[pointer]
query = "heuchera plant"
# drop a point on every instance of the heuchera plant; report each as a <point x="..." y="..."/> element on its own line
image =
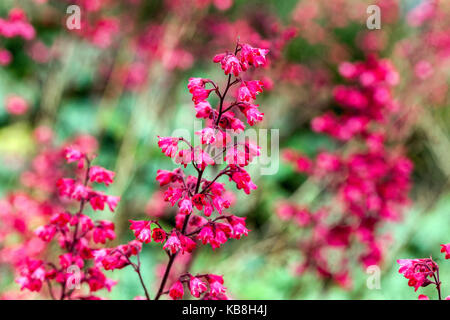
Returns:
<point x="423" y="272"/>
<point x="77" y="235"/>
<point x="202" y="202"/>
<point x="368" y="177"/>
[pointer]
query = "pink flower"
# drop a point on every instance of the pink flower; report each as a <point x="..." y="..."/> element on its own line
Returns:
<point x="104" y="231"/>
<point x="417" y="271"/>
<point x="187" y="244"/>
<point x="249" y="90"/>
<point x="65" y="187"/>
<point x="142" y="230"/>
<point x="203" y="109"/>
<point x="202" y="158"/>
<point x="74" y="155"/>
<point x="196" y="286"/>
<point x="253" y="115"/>
<point x="158" y="235"/>
<point x="32" y="275"/>
<point x="423" y="70"/>
<point x="253" y="56"/>
<point x="216" y="285"/>
<point x="207" y="135"/>
<point x="243" y="180"/>
<point x="185" y="206"/>
<point x="230" y="63"/>
<point x="5" y="57"/>
<point x="66" y="260"/>
<point x="206" y="235"/>
<point x="423" y="297"/>
<point x="168" y="145"/>
<point x="446" y="249"/>
<point x="176" y="291"/>
<point x="238" y="225"/>
<point x="173" y="243"/>
<point x="98" y="201"/>
<point x="165" y="177"/>
<point x="194" y="83"/>
<point x="112" y="202"/>
<point x="101" y="175"/>
<point x="46" y="233"/>
<point x="16" y="105"/>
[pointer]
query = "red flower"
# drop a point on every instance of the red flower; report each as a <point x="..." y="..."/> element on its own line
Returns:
<point x="197" y="287"/>
<point x="446" y="249"/>
<point x="230" y="63"/>
<point x="142" y="230"/>
<point x="101" y="175"/>
<point x="158" y="235"/>
<point x="168" y="145"/>
<point x="249" y="90"/>
<point x="173" y="243"/>
<point x="176" y="291"/>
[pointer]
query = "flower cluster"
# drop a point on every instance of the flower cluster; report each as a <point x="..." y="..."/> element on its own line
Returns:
<point x="211" y="287"/>
<point x="370" y="181"/>
<point x="16" y="25"/>
<point x="423" y="272"/>
<point x="76" y="234"/>
<point x="196" y="197"/>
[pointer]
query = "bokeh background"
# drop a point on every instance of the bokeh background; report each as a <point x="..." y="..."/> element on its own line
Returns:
<point x="122" y="80"/>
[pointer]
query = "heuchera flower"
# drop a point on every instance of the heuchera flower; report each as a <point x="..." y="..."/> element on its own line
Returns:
<point x="176" y="292"/>
<point x="101" y="175"/>
<point x="76" y="234"/>
<point x="142" y="230"/>
<point x="249" y="90"/>
<point x="197" y="287"/>
<point x="173" y="243"/>
<point x="158" y="235"/>
<point x="370" y="182"/>
<point x="417" y="271"/>
<point x="446" y="250"/>
<point x="16" y="105"/>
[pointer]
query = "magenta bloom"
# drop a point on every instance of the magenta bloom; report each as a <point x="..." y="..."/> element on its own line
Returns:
<point x="176" y="291"/>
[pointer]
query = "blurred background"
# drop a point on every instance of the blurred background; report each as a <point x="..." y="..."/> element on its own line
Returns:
<point x="120" y="81"/>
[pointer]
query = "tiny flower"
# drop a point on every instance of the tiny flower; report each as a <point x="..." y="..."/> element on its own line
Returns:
<point x="187" y="244"/>
<point x="16" y="105"/>
<point x="158" y="235"/>
<point x="253" y="115"/>
<point x="5" y="57"/>
<point x="253" y="56"/>
<point x="423" y="297"/>
<point x="46" y="233"/>
<point x="216" y="285"/>
<point x="185" y="206"/>
<point x="249" y="90"/>
<point x="142" y="230"/>
<point x="176" y="291"/>
<point x="112" y="202"/>
<point x="203" y="109"/>
<point x="74" y="155"/>
<point x="199" y="200"/>
<point x="101" y="175"/>
<point x="238" y="225"/>
<point x="173" y="243"/>
<point x="165" y="177"/>
<point x="243" y="180"/>
<point x="446" y="249"/>
<point x="196" y="286"/>
<point x="230" y="63"/>
<point x="207" y="135"/>
<point x="168" y="145"/>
